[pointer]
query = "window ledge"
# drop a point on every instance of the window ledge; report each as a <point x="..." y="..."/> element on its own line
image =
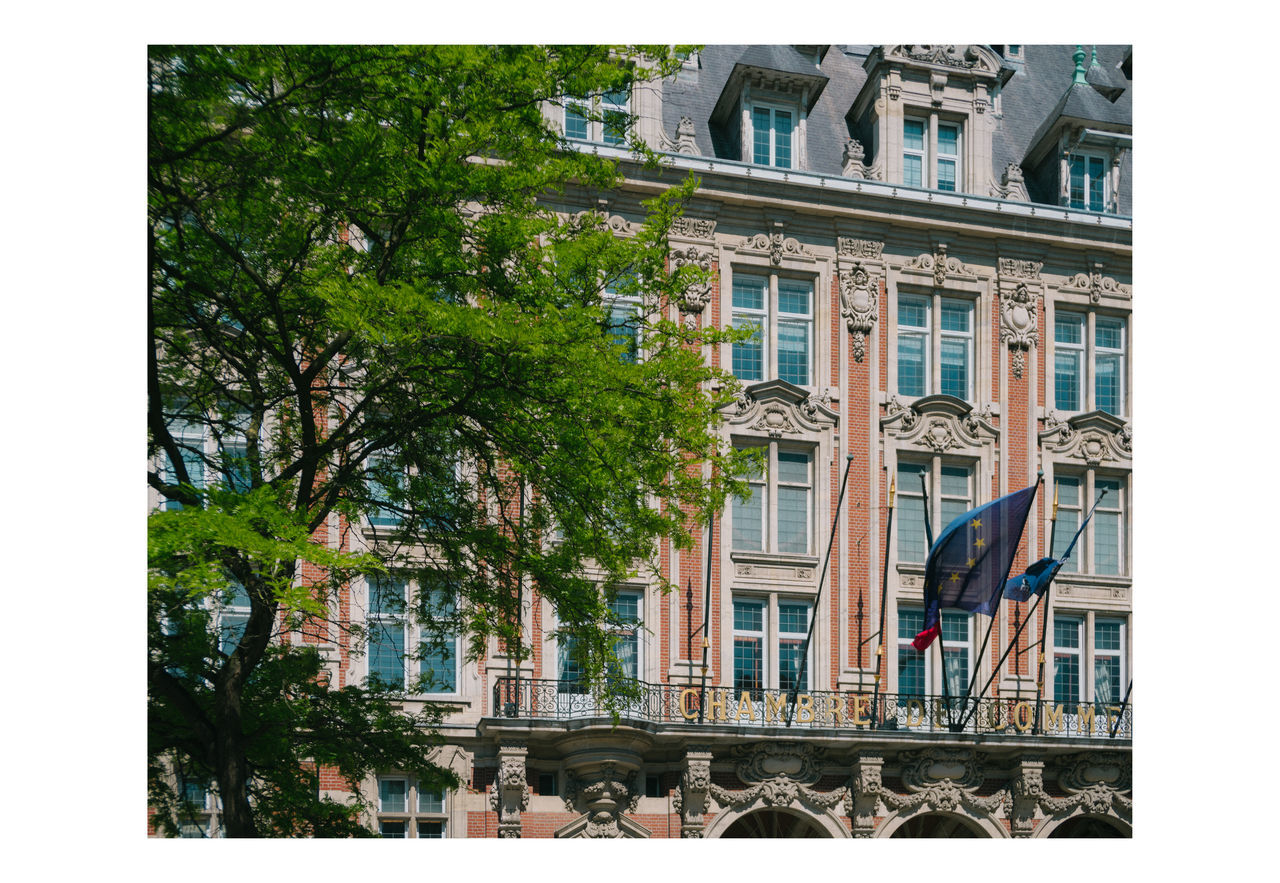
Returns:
<point x="774" y="559"/>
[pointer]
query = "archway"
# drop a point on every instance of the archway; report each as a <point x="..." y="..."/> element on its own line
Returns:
<point x="776" y="823"/>
<point x="939" y="824"/>
<point x="1090" y="826"/>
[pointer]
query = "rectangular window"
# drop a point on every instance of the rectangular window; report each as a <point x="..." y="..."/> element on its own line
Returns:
<point x="779" y="311"/>
<point x="626" y="605"/>
<point x="779" y="514"/>
<point x="1102" y="547"/>
<point x="605" y="118"/>
<point x="438" y="647"/>
<point x="384" y="482"/>
<point x="418" y="653"/>
<point x="748" y="645"/>
<point x="576" y="124"/>
<point x="793" y="630"/>
<point x="1089" y="185"/>
<point x="913" y="152"/>
<point x="1067" y="643"/>
<point x="909" y="522"/>
<point x="771" y="136"/>
<point x="911" y="662"/>
<point x="922" y="321"/>
<point x="190" y="439"/>
<point x="1103" y="357"/>
<point x="951" y="494"/>
<point x="387" y="626"/>
<point x="1108" y="661"/>
<point x="233" y="616"/>
<point x="614" y="116"/>
<point x="914" y="675"/>
<point x="413" y="811"/>
<point x="944" y="171"/>
<point x="957" y="638"/>
<point x="948" y="156"/>
<point x="392" y="795"/>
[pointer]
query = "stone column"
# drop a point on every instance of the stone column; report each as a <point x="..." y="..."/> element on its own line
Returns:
<point x="865" y="793"/>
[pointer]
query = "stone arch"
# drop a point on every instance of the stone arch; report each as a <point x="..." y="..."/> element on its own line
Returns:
<point x="1085" y="825"/>
<point x="759" y="820"/>
<point x="931" y="823"/>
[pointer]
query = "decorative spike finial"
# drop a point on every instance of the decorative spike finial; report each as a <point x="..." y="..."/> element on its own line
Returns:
<point x="1055" y="501"/>
<point x="893" y="483"/>
<point x="1078" y="55"/>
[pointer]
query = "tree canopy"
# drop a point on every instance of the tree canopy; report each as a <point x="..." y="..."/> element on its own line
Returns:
<point x="374" y="350"/>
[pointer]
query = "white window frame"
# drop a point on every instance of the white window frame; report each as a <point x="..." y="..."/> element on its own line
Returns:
<point x="1085" y="624"/>
<point x="768" y="484"/>
<point x="635" y="304"/>
<point x="210" y="450"/>
<point x="770" y="317"/>
<point x="412" y="816"/>
<point x="600" y="106"/>
<point x="931" y="665"/>
<point x="929" y="154"/>
<point x="1075" y="622"/>
<point x="413" y="635"/>
<point x="1115" y="505"/>
<point x="1118" y="653"/>
<point x="933" y="467"/>
<point x="1088" y="351"/>
<point x="1086" y="203"/>
<point x="771" y="637"/>
<point x="934" y="335"/>
<point x="773" y="110"/>
<point x="563" y="647"/>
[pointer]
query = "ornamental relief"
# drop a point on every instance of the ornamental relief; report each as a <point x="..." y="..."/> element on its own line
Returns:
<point x="779" y="791"/>
<point x="945" y="780"/>
<point x="859" y="304"/>
<point x="696" y="294"/>
<point x="939" y="423"/>
<point x="1099" y="783"/>
<point x="1096" y="438"/>
<point x="970" y="57"/>
<point x="941" y="266"/>
<point x="776" y="246"/>
<point x="1019" y="325"/>
<point x="798" y="761"/>
<point x="693" y="228"/>
<point x="597" y="218"/>
<point x="776" y="408"/>
<point x="1096" y="285"/>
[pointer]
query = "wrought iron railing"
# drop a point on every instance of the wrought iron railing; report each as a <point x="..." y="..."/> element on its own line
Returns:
<point x="681" y="704"/>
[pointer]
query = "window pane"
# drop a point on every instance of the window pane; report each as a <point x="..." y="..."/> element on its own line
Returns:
<point x="793" y="520"/>
<point x="748" y="355"/>
<point x="386" y="596"/>
<point x="790" y="659"/>
<point x="793" y="352"/>
<point x="1077" y="182"/>
<point x="910" y="670"/>
<point x="430" y="801"/>
<point x="1107" y="387"/>
<point x="793" y="467"/>
<point x="575" y="124"/>
<point x="782" y="142"/>
<point x="761" y="131"/>
<point x="231" y="631"/>
<point x="913" y="134"/>
<point x="386" y="653"/>
<point x="1066" y="677"/>
<point x="913" y="313"/>
<point x="388" y="828"/>
<point x="793" y="296"/>
<point x="624" y="330"/>
<point x="570" y="671"/>
<point x="433" y="830"/>
<point x="1066" y="632"/>
<point x="391" y="795"/>
<point x="1066" y="380"/>
<point x="1097" y="185"/>
<point x="1106" y="537"/>
<point x="955" y="481"/>
<point x="955" y="368"/>
<point x="749" y="292"/>
<point x="911" y="364"/>
<point x="948" y="140"/>
<point x="748" y="616"/>
<point x="793" y="618"/>
<point x="1068" y="328"/>
<point x="438" y="665"/>
<point x="911" y="169"/>
<point x="957" y="665"/>
<point x="909" y="522"/>
<point x="955" y="315"/>
<point x="1106" y="635"/>
<point x="235" y="468"/>
<point x="955" y="627"/>
<point x="1108" y="333"/>
<point x="747" y="664"/>
<point x="946" y="175"/>
<point x="748" y="521"/>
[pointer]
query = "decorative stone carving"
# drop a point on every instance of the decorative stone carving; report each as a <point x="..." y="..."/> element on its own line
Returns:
<point x="685" y="141"/>
<point x="945" y="780"/>
<point x="777" y="408"/>
<point x="1096" y="437"/>
<point x="859" y="304"/>
<point x="776" y="245"/>
<point x="510" y="794"/>
<point x="693" y="228"/>
<point x="697" y="294"/>
<point x="859" y="249"/>
<point x="1096" y="284"/>
<point x="1012" y="184"/>
<point x="937" y="86"/>
<point x="940" y="265"/>
<point x="596" y="218"/>
<point x="1018" y="323"/>
<point x="1018" y="269"/>
<point x="962" y="57"/>
<point x="853" y="166"/>
<point x="1027" y="788"/>
<point x="605" y="793"/>
<point x="798" y="761"/>
<point x="940" y="423"/>
<point x="691" y="797"/>
<point x="1099" y="783"/>
<point x="778" y="791"/>
<point x="864" y="793"/>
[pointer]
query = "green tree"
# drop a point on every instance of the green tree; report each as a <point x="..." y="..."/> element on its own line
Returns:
<point x="363" y="314"/>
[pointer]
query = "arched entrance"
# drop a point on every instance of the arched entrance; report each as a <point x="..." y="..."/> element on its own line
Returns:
<point x="938" y="824"/>
<point x="1089" y="826"/>
<point x="775" y="823"/>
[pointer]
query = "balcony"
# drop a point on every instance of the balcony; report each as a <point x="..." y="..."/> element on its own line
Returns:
<point x="693" y="707"/>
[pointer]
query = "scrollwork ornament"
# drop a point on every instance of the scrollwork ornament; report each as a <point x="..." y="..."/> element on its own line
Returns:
<point x="1019" y="323"/>
<point x="697" y="294"/>
<point x="859" y="304"/>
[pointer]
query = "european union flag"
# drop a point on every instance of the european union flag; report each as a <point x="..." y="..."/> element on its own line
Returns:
<point x="971" y="559"/>
<point x="1033" y="582"/>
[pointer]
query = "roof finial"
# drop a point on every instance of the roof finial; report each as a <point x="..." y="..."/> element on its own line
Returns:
<point x="1078" y="55"/>
<point x="1094" y="61"/>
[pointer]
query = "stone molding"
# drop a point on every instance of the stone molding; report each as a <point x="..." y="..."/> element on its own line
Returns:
<point x="972" y="58"/>
<point x="941" y="266"/>
<point x="1097" y="782"/>
<point x="943" y="779"/>
<point x="691" y="798"/>
<point x="696" y="295"/>
<point x="776" y="245"/>
<point x="604" y="791"/>
<point x="1096" y="285"/>
<point x="1012" y="184"/>
<point x="511" y="791"/>
<point x="1095" y="437"/>
<point x="939" y="423"/>
<point x="777" y="408"/>
<point x="853" y="165"/>
<point x="1019" y="322"/>
<point x="798" y="761"/>
<point x="685" y="142"/>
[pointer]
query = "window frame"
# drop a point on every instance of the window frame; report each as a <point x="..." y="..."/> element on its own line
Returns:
<point x="594" y="110"/>
<point x="412" y="816"/>
<point x="564" y="646"/>
<point x="929" y="153"/>
<point x="770" y="318"/>
<point x="414" y="638"/>
<point x="1083" y="561"/>
<point x="773" y="109"/>
<point x="935" y="337"/>
<point x="927" y="660"/>
<point x="1086" y="202"/>
<point x="1087" y="653"/>
<point x="933" y="467"/>
<point x="612" y="300"/>
<point x="1088" y="352"/>
<point x="769" y="485"/>
<point x="770" y="637"/>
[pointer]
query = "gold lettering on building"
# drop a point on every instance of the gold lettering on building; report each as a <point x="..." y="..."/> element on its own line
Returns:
<point x="915" y="713"/>
<point x="1084" y="718"/>
<point x="1053" y="719"/>
<point x="745" y="708"/>
<point x="861" y="706"/>
<point x="804" y="709"/>
<point x="717" y="706"/>
<point x="1023" y="716"/>
<point x="774" y="705"/>
<point x="684" y="704"/>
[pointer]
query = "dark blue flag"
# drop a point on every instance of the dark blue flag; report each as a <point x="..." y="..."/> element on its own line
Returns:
<point x="1033" y="582"/>
<point x="971" y="559"/>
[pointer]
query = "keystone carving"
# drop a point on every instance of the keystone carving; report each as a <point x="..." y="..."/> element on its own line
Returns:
<point x="778" y="791"/>
<point x="797" y="761"/>
<point x="510" y="791"/>
<point x="691" y="798"/>
<point x="1018" y="323"/>
<point x="940" y="265"/>
<point x="696" y="294"/>
<point x="864" y="793"/>
<point x="605" y="793"/>
<point x="859" y="304"/>
<point x="847" y="247"/>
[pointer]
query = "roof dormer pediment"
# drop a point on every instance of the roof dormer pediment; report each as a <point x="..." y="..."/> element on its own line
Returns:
<point x="777" y="408"/>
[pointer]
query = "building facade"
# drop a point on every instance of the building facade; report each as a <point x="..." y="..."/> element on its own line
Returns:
<point x="934" y="246"/>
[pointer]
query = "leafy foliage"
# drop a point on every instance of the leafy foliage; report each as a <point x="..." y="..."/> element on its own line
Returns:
<point x="375" y="348"/>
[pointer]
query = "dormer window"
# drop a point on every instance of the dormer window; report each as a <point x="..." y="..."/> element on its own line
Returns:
<point x="603" y="118"/>
<point x="932" y="162"/>
<point x="771" y="135"/>
<point x="1090" y="185"/>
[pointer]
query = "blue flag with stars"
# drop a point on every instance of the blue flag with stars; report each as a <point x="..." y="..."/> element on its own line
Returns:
<point x="970" y="561"/>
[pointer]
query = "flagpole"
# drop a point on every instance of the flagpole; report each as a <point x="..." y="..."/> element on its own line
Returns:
<point x="942" y="651"/>
<point x="1127" y="691"/>
<point x="884" y="596"/>
<point x="813" y="620"/>
<point x="706" y="613"/>
<point x="995" y="613"/>
<point x="1044" y="617"/>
